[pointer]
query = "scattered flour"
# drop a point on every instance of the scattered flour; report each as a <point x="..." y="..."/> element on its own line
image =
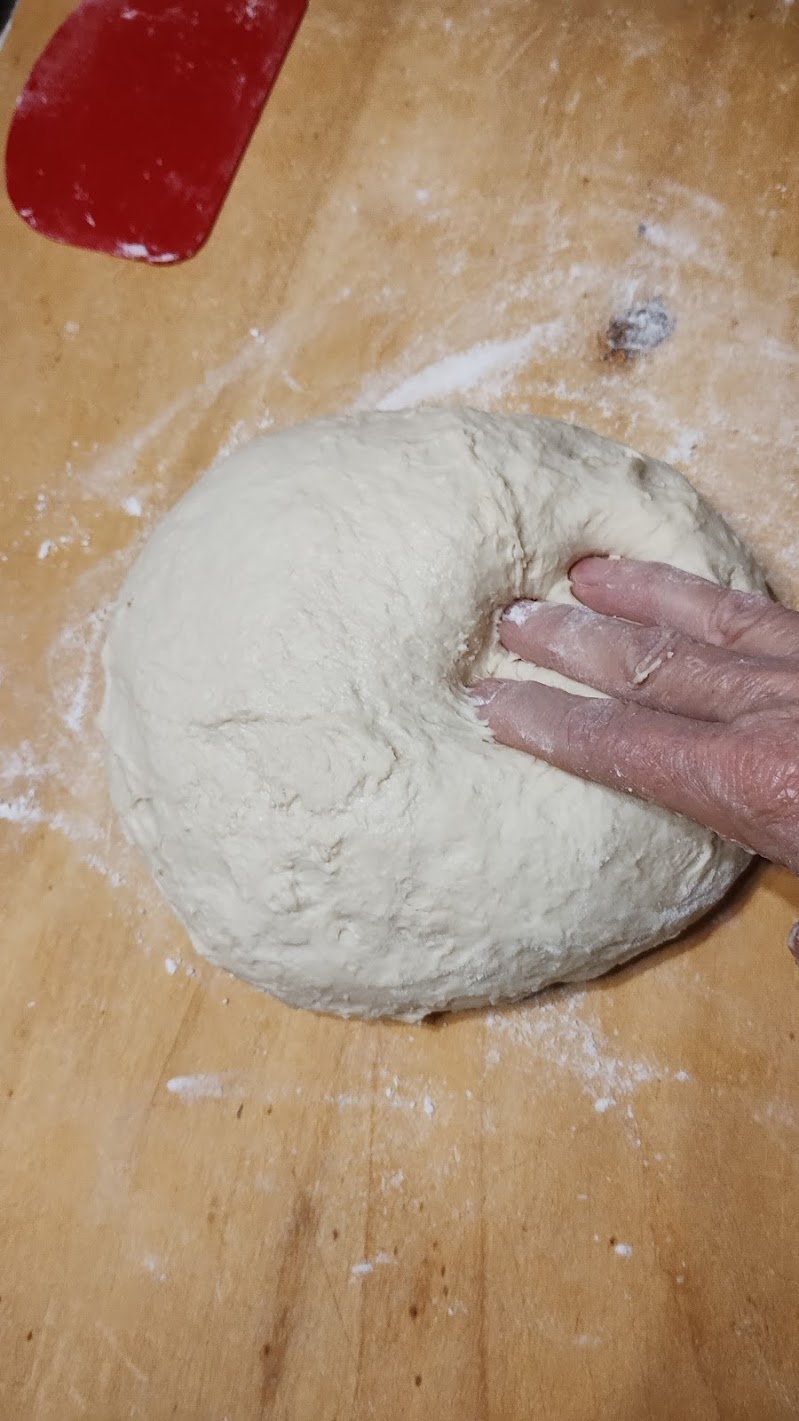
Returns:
<point x="203" y="1086"/>
<point x="154" y="1266"/>
<point x="489" y="366"/>
<point x="22" y="810"/>
<point x="360" y="1270"/>
<point x="778" y="1113"/>
<point x="557" y="1039"/>
<point x="559" y="1032"/>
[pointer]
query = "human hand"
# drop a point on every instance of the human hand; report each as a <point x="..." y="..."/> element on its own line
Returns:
<point x="703" y="688"/>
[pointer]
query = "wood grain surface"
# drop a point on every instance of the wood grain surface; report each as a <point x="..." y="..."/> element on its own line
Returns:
<point x="213" y="1208"/>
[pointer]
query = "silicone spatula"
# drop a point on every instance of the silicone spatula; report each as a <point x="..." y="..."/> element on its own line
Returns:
<point x="129" y="131"/>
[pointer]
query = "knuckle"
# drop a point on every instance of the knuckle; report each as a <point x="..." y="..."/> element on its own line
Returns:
<point x="737" y="614"/>
<point x="766" y="776"/>
<point x="650" y="654"/>
<point x="775" y="688"/>
<point x="582" y="723"/>
<point x="595" y="732"/>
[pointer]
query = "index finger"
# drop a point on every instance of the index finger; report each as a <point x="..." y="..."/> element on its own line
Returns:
<point x="658" y="595"/>
<point x="667" y="759"/>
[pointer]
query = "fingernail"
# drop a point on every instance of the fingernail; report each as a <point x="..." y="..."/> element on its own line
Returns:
<point x="482" y="695"/>
<point x="520" y="612"/>
<point x="591" y="569"/>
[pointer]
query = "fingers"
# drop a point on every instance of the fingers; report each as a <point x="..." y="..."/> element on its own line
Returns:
<point x="657" y="756"/>
<point x="655" y="594"/>
<point x="653" y="666"/>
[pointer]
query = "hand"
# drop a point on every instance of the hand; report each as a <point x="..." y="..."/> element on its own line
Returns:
<point x="703" y="715"/>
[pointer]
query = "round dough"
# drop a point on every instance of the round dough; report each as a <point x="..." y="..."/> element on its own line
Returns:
<point x="290" y="742"/>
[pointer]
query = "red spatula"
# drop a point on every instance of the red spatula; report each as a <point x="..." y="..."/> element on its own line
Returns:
<point x="134" y="120"/>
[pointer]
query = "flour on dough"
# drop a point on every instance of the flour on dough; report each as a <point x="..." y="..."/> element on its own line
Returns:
<point x="291" y="746"/>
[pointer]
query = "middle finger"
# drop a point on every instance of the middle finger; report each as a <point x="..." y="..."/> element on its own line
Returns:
<point x="653" y="666"/>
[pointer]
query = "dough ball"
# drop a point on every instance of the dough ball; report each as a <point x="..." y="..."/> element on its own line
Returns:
<point x="291" y="746"/>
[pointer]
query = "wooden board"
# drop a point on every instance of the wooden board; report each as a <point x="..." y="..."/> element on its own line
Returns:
<point x="211" y="1206"/>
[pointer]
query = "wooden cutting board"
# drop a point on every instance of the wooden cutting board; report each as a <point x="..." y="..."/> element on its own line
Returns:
<point x="211" y="1206"/>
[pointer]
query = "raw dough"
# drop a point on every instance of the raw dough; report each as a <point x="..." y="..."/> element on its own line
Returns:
<point x="289" y="739"/>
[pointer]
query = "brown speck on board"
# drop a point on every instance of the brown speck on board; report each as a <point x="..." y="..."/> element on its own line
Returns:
<point x="638" y="330"/>
<point x="417" y="1381"/>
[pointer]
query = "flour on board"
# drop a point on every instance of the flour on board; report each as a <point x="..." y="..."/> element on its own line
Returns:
<point x="560" y="1027"/>
<point x="361" y="1270"/>
<point x="204" y="1086"/>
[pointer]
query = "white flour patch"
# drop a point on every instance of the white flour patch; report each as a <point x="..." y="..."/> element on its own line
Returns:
<point x="76" y="647"/>
<point x="489" y="366"/>
<point x="119" y="464"/>
<point x="558" y="1036"/>
<point x="779" y="1113"/>
<point x="204" y="1086"/>
<point x="155" y="1266"/>
<point x="361" y="1270"/>
<point x="55" y="776"/>
<point x="242" y="432"/>
<point x="22" y="810"/>
<point x="678" y="242"/>
<point x="389" y="1099"/>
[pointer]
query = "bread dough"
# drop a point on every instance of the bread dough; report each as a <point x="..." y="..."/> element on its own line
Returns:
<point x="291" y="746"/>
